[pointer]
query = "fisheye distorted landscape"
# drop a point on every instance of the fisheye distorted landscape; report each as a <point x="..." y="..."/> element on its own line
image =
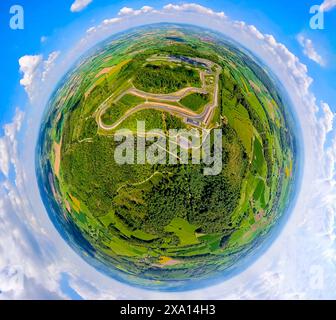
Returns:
<point x="167" y="224"/>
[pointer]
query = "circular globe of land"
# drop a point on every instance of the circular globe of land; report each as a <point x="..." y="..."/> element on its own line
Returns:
<point x="166" y="156"/>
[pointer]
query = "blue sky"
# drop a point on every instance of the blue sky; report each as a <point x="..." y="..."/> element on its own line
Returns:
<point x="285" y="20"/>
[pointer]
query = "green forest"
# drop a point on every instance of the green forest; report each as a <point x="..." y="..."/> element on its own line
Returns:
<point x="165" y="78"/>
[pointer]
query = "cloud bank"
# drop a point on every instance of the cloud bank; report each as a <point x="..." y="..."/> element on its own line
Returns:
<point x="299" y="264"/>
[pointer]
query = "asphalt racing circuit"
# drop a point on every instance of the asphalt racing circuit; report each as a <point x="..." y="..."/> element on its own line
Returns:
<point x="164" y="102"/>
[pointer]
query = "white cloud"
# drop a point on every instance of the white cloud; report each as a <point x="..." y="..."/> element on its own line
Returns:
<point x="79" y="5"/>
<point x="125" y="11"/>
<point x="108" y="22"/>
<point x="29" y="67"/>
<point x="328" y="5"/>
<point x="328" y="117"/>
<point x="309" y="49"/>
<point x="193" y="7"/>
<point x="8" y="143"/>
<point x="4" y="159"/>
<point x="49" y="63"/>
<point x="307" y="240"/>
<point x="35" y="70"/>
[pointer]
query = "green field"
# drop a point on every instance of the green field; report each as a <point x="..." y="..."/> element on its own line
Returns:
<point x="118" y="109"/>
<point x="195" y="101"/>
